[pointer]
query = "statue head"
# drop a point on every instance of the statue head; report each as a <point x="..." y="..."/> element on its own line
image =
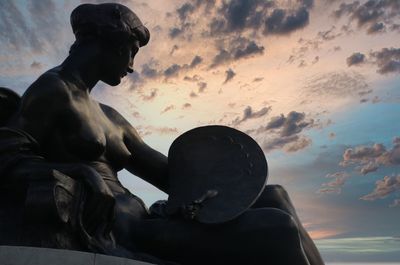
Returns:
<point x="110" y="21"/>
<point x="115" y="26"/>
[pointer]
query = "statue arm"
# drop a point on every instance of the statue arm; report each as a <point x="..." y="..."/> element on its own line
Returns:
<point x="143" y="161"/>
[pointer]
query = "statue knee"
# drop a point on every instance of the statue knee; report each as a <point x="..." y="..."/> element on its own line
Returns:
<point x="277" y="190"/>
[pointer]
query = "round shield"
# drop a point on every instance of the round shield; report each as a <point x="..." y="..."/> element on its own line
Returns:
<point x="215" y="174"/>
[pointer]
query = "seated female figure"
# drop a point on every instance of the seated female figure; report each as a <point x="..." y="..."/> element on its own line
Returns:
<point x="91" y="142"/>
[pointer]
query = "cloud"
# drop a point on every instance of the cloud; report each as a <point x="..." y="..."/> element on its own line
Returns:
<point x="36" y="65"/>
<point x="370" y="14"/>
<point x="229" y="75"/>
<point x="150" y="97"/>
<point x="337" y="84"/>
<point x="172" y="71"/>
<point x="186" y="106"/>
<point x="175" y="32"/>
<point x="328" y="35"/>
<point x="334" y="186"/>
<point x="196" y="61"/>
<point x="150" y="70"/>
<point x="248" y="113"/>
<point x="376" y="28"/>
<point x="368" y="159"/>
<point x="149" y="130"/>
<point x="395" y="203"/>
<point x="236" y="49"/>
<point x="355" y="59"/>
<point x="387" y="60"/>
<point x="202" y="86"/>
<point x="168" y="108"/>
<point x="283" y="132"/>
<point x="282" y="22"/>
<point x="383" y="188"/>
<point x="289" y="144"/>
<point x="259" y="15"/>
<point x="292" y="124"/>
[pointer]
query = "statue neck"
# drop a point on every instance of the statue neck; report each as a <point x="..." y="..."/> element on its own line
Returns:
<point x="83" y="64"/>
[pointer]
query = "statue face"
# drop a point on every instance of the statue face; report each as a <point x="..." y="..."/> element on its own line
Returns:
<point x="119" y="62"/>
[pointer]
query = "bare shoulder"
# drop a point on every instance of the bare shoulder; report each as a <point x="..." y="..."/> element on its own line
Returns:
<point x="50" y="86"/>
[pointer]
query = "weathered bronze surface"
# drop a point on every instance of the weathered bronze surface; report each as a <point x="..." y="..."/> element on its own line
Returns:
<point x="218" y="161"/>
<point x="60" y="151"/>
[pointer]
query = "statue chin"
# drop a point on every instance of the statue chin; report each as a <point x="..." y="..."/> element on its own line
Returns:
<point x="112" y="81"/>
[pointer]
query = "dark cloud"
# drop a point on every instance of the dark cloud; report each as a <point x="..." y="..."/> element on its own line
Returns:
<point x="376" y="28"/>
<point x="185" y="10"/>
<point x="149" y="71"/>
<point x="175" y="32"/>
<point x="371" y="13"/>
<point x="174" y="49"/>
<point x="172" y="71"/>
<point x="387" y="60"/>
<point x="240" y="14"/>
<point x="292" y="124"/>
<point x="195" y="78"/>
<point x="368" y="159"/>
<point x="282" y="22"/>
<point x="229" y="75"/>
<point x="355" y="59"/>
<point x="283" y="132"/>
<point x="259" y="15"/>
<point x="237" y="48"/>
<point x="383" y="188"/>
<point x="196" y="61"/>
<point x="184" y="13"/>
<point x="329" y="35"/>
<point x="248" y="113"/>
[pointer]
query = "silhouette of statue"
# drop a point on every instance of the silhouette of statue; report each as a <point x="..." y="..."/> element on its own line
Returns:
<point x="60" y="152"/>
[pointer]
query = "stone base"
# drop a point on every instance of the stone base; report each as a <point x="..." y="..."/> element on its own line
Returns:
<point x="11" y="255"/>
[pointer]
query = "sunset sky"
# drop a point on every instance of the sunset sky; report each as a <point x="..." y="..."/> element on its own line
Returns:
<point x="315" y="82"/>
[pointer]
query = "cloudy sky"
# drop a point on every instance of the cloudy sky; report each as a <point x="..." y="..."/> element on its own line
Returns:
<point x="315" y="82"/>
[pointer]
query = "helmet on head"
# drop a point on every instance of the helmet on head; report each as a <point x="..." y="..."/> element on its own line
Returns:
<point x="109" y="21"/>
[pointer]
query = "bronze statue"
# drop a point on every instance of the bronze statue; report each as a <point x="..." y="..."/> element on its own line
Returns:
<point x="60" y="152"/>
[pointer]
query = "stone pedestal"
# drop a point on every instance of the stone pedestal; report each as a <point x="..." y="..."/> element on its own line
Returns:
<point x="11" y="255"/>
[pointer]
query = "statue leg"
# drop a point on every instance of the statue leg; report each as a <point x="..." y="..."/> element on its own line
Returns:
<point x="259" y="236"/>
<point x="276" y="196"/>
